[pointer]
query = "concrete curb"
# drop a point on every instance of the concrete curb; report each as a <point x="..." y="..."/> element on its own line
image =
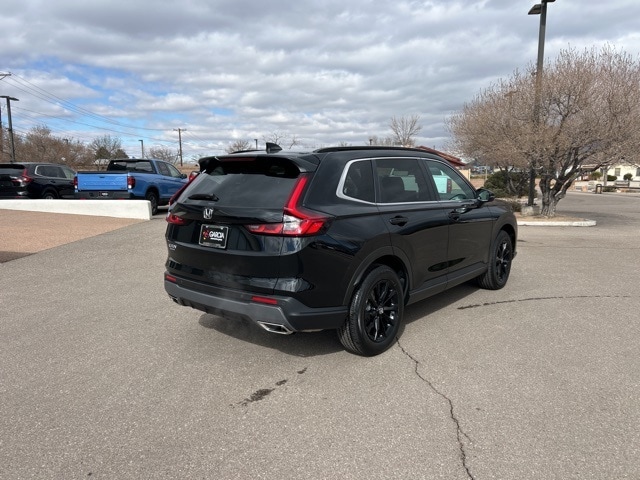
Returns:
<point x="550" y="223"/>
<point x="138" y="209"/>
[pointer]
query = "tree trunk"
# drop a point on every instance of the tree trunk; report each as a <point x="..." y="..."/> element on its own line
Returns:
<point x="549" y="198"/>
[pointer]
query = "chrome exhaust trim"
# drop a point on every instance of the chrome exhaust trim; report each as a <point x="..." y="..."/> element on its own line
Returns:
<point x="275" y="328"/>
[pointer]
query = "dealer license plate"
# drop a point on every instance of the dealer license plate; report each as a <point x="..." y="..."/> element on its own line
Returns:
<point x="214" y="236"/>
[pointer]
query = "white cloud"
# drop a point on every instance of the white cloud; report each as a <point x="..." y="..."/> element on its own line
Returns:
<point x="326" y="72"/>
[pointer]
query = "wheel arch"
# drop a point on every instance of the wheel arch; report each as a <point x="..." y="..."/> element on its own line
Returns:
<point x="388" y="257"/>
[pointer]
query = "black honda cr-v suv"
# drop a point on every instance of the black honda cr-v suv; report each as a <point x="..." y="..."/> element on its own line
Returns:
<point x="338" y="238"/>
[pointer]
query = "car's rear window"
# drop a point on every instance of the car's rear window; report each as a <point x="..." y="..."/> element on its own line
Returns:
<point x="246" y="182"/>
<point x="11" y="169"/>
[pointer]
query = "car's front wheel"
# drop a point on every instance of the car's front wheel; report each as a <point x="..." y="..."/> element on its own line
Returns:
<point x="375" y="314"/>
<point x="500" y="259"/>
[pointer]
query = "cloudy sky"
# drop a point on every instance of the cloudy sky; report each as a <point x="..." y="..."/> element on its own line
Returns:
<point x="326" y="72"/>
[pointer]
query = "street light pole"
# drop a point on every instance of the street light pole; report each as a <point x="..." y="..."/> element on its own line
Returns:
<point x="13" y="146"/>
<point x="142" y="147"/>
<point x="538" y="9"/>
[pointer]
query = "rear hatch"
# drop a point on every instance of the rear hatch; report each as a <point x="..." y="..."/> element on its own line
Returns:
<point x="240" y="223"/>
<point x="13" y="180"/>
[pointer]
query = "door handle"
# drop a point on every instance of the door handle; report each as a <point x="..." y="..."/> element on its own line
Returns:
<point x="398" y="220"/>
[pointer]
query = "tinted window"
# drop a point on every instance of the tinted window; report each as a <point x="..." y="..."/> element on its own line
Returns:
<point x="164" y="170"/>
<point x="358" y="181"/>
<point x="448" y="182"/>
<point x="253" y="183"/>
<point x="52" y="171"/>
<point x="401" y="180"/>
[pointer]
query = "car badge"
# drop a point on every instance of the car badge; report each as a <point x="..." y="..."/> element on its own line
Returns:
<point x="207" y="213"/>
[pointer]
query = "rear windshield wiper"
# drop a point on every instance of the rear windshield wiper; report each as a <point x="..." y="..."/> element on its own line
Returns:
<point x="204" y="196"/>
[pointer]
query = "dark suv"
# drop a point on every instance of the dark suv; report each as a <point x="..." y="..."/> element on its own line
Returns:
<point x="36" y="180"/>
<point x="338" y="238"/>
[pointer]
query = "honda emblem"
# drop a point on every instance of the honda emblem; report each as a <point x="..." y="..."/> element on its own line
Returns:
<point x="207" y="213"/>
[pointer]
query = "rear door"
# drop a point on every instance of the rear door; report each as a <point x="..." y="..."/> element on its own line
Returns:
<point x="417" y="224"/>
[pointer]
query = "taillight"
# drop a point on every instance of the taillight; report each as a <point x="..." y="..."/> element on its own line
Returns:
<point x="75" y="182"/>
<point x="131" y="182"/>
<point x="296" y="221"/>
<point x="174" y="219"/>
<point x="24" y="178"/>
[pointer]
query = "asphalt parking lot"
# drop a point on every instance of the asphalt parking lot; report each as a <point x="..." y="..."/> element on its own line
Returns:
<point x="104" y="377"/>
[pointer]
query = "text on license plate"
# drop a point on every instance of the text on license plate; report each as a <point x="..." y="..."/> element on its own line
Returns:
<point x="214" y="236"/>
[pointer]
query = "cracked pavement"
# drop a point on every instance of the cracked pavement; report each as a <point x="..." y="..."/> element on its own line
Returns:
<point x="104" y="377"/>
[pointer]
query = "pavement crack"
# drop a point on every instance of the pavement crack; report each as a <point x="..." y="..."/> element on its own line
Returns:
<point x="461" y="436"/>
<point x="533" y="299"/>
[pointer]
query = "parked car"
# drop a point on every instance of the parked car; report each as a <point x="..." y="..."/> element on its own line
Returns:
<point x="132" y="178"/>
<point x="338" y="238"/>
<point x="36" y="180"/>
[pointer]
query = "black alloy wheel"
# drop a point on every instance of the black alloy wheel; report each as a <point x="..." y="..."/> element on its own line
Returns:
<point x="49" y="195"/>
<point x="375" y="314"/>
<point x="500" y="260"/>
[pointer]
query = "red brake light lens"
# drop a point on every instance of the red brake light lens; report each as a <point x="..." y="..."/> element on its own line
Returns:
<point x="296" y="221"/>
<point x="176" y="220"/>
<point x="131" y="182"/>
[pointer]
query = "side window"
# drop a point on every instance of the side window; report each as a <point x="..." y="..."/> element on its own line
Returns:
<point x="448" y="182"/>
<point x="173" y="171"/>
<point x="401" y="180"/>
<point x="358" y="181"/>
<point x="163" y="169"/>
<point x="46" y="170"/>
<point x="143" y="167"/>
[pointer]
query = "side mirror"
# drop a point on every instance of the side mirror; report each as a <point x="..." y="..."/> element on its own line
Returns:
<point x="485" y="195"/>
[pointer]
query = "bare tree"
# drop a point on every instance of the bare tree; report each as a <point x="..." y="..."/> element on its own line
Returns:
<point x="239" y="146"/>
<point x="381" y="142"/>
<point x="164" y="153"/>
<point x="107" y="146"/>
<point x="585" y="115"/>
<point x="405" y="129"/>
<point x="283" y="139"/>
<point x="39" y="145"/>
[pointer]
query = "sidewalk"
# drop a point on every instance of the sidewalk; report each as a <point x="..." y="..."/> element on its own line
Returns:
<point x="24" y="233"/>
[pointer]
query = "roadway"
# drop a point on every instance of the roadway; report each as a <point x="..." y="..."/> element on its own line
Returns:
<point x="104" y="377"/>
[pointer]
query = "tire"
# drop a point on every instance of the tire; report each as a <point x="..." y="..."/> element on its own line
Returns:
<point x="500" y="260"/>
<point x="49" y="195"/>
<point x="152" y="197"/>
<point x="375" y="314"/>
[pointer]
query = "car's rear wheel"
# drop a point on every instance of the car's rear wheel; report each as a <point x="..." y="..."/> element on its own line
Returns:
<point x="500" y="260"/>
<point x="375" y="314"/>
<point x="153" y="200"/>
<point x="49" y="195"/>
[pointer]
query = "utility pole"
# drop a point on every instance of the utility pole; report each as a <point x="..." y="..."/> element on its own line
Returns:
<point x="142" y="147"/>
<point x="2" y="77"/>
<point x="13" y="146"/>
<point x="180" y="130"/>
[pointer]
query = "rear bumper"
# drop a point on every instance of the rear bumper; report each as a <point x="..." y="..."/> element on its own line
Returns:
<point x="104" y="195"/>
<point x="286" y="315"/>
